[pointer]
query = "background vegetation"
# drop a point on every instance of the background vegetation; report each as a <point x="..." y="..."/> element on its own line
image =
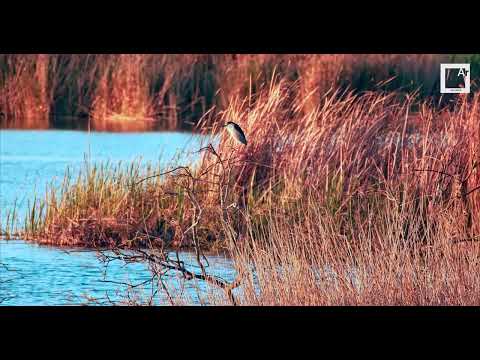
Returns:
<point x="165" y="92"/>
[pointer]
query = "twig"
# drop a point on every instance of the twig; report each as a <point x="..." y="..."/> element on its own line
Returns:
<point x="472" y="190"/>
<point x="164" y="173"/>
<point x="435" y="171"/>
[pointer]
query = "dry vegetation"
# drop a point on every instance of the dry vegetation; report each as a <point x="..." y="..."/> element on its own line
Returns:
<point x="344" y="199"/>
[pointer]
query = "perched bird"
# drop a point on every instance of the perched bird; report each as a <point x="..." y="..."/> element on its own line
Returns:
<point x="236" y="132"/>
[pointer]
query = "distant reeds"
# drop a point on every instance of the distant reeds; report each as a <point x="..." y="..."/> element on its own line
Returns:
<point x="168" y="91"/>
<point x="24" y="91"/>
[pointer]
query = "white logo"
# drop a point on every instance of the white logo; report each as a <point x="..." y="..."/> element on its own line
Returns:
<point x="455" y="78"/>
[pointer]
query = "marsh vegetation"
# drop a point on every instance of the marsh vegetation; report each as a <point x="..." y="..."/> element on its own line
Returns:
<point x="341" y="196"/>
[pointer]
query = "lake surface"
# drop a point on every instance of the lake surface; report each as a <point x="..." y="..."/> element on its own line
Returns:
<point x="39" y="275"/>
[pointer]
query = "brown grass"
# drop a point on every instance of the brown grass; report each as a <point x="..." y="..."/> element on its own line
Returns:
<point x="311" y="262"/>
<point x="376" y="206"/>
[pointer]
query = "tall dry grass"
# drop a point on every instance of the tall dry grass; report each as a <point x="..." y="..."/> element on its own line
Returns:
<point x="306" y="260"/>
<point x="357" y="202"/>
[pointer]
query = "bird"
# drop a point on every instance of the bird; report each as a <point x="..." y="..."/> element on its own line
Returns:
<point x="236" y="132"/>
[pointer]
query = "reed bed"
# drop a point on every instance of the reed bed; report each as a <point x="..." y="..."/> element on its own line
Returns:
<point x="141" y="92"/>
<point x="354" y="200"/>
<point x="310" y="262"/>
<point x="377" y="207"/>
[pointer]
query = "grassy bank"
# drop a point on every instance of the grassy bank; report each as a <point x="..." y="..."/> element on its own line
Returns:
<point x="354" y="200"/>
<point x="135" y="92"/>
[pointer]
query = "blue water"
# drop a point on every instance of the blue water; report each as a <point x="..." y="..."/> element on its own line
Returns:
<point x="40" y="275"/>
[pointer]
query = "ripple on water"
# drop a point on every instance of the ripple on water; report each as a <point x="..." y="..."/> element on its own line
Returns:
<point x="40" y="275"/>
